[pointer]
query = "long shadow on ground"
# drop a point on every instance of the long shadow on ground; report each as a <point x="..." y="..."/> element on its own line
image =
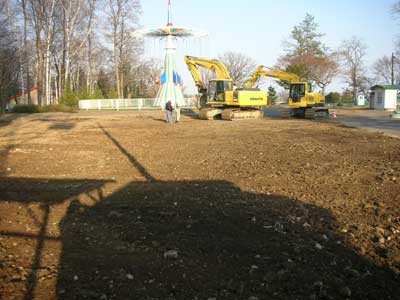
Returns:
<point x="7" y="119"/>
<point x="229" y="244"/>
<point x="47" y="193"/>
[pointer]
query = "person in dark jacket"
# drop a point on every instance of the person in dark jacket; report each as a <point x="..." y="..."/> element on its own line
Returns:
<point x="169" y="109"/>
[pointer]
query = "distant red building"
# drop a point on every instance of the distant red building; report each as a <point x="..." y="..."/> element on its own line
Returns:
<point x="23" y="99"/>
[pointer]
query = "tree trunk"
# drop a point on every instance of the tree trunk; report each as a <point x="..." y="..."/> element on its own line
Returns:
<point x="61" y="79"/>
<point x="67" y="49"/>
<point x="47" y="78"/>
<point x="89" y="80"/>
<point x="39" y="68"/>
<point x="26" y="54"/>
<point x="116" y="64"/>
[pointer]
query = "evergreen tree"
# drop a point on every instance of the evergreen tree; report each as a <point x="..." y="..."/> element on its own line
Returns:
<point x="83" y="94"/>
<point x="112" y="93"/>
<point x="103" y="83"/>
<point x="306" y="40"/>
<point x="332" y="97"/>
<point x="272" y="97"/>
<point x="347" y="97"/>
<point x="307" y="56"/>
<point x="98" y="93"/>
<point x="68" y="97"/>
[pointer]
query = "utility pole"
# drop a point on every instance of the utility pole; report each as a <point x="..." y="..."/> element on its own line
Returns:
<point x="393" y="57"/>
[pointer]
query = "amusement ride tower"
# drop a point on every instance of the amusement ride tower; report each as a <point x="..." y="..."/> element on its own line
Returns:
<point x="170" y="80"/>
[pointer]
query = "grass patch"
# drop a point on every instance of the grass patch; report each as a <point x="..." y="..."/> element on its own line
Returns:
<point x="30" y="108"/>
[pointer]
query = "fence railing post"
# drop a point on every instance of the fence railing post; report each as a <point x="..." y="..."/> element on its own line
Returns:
<point x="136" y="103"/>
<point x="140" y="103"/>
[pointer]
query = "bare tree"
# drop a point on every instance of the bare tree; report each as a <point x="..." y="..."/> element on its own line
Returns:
<point x="239" y="66"/>
<point x="26" y="55"/>
<point x="72" y="13"/>
<point x="382" y="69"/>
<point x="78" y="16"/>
<point x="123" y="17"/>
<point x="206" y="76"/>
<point x="145" y="78"/>
<point x="42" y="14"/>
<point x="9" y="72"/>
<point x="89" y="80"/>
<point x="58" y="45"/>
<point x="49" y="35"/>
<point x="395" y="9"/>
<point x="352" y="52"/>
<point x="324" y="70"/>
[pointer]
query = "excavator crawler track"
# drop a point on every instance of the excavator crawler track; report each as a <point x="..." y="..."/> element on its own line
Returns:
<point x="210" y="113"/>
<point x="232" y="114"/>
<point x="285" y="112"/>
<point x="317" y="113"/>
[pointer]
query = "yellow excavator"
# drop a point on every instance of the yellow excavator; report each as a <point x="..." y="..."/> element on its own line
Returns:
<point x="221" y="99"/>
<point x="303" y="102"/>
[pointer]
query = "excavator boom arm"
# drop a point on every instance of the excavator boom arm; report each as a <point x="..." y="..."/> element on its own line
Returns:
<point x="212" y="65"/>
<point x="262" y="71"/>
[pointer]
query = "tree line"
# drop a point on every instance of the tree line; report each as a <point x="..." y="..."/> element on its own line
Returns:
<point x="307" y="56"/>
<point x="81" y="46"/>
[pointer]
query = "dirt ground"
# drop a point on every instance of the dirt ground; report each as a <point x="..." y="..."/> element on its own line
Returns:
<point x="120" y="205"/>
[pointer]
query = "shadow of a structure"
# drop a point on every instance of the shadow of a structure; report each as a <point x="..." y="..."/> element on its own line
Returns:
<point x="7" y="119"/>
<point x="193" y="239"/>
<point x="189" y="112"/>
<point x="4" y="153"/>
<point x="62" y="126"/>
<point x="209" y="239"/>
<point x="46" y="193"/>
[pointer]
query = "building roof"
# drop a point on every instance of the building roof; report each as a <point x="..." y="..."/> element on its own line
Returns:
<point x="32" y="89"/>
<point x="386" y="87"/>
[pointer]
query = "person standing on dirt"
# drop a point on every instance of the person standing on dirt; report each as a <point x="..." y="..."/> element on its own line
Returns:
<point x="178" y="113"/>
<point x="169" y="109"/>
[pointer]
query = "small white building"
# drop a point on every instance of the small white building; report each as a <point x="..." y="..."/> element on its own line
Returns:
<point x="384" y="97"/>
<point x="360" y="100"/>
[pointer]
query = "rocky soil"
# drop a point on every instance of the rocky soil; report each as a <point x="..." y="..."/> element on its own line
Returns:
<point x="120" y="205"/>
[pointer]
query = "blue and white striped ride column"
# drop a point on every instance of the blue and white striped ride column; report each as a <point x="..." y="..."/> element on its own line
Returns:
<point x="171" y="83"/>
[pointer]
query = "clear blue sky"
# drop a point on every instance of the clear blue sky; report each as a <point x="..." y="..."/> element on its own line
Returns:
<point x="258" y="28"/>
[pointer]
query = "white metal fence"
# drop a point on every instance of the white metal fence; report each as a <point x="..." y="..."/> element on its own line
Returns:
<point x="117" y="104"/>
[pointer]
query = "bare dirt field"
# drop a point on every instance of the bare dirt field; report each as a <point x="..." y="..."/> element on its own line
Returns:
<point x="120" y="205"/>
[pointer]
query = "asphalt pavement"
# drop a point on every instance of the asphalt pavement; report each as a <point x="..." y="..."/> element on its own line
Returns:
<point x="371" y="120"/>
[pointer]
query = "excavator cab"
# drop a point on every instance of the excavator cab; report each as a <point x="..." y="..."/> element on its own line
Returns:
<point x="297" y="91"/>
<point x="217" y="89"/>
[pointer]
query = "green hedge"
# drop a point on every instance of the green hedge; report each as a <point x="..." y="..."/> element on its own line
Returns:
<point x="25" y="108"/>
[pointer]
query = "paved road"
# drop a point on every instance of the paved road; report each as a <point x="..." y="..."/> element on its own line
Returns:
<point x="372" y="120"/>
<point x="378" y="121"/>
